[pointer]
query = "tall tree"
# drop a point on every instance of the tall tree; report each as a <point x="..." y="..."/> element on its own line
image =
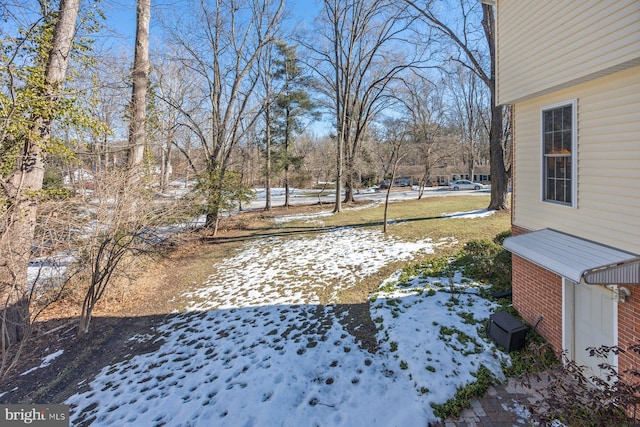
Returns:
<point x="292" y="105"/>
<point x="357" y="61"/>
<point x="471" y="58"/>
<point x="469" y="111"/>
<point x="220" y="44"/>
<point x="395" y="136"/>
<point x="425" y="112"/>
<point x="22" y="173"/>
<point x="266" y="77"/>
<point x="137" y="124"/>
<point x="177" y="96"/>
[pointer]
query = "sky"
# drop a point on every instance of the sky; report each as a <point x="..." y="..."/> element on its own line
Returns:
<point x="121" y="17"/>
<point x="118" y="34"/>
<point x="256" y="348"/>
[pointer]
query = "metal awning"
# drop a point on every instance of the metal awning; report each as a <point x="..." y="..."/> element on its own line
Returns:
<point x="575" y="258"/>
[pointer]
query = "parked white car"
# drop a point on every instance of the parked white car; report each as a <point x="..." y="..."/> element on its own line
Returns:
<point x="463" y="184"/>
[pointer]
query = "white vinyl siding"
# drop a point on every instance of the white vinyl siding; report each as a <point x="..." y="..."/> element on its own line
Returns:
<point x="608" y="162"/>
<point x="591" y="38"/>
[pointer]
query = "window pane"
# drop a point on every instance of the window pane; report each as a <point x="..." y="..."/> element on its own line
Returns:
<point x="566" y="141"/>
<point x="557" y="120"/>
<point x="548" y="143"/>
<point x="566" y="118"/>
<point x="551" y="167"/>
<point x="547" y="118"/>
<point x="560" y="166"/>
<point x="567" y="168"/>
<point x="551" y="193"/>
<point x="561" y="190"/>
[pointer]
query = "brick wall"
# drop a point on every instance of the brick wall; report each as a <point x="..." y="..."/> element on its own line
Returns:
<point x="538" y="292"/>
<point x="629" y="330"/>
<point x="516" y="230"/>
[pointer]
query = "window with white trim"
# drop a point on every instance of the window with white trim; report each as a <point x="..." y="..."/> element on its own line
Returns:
<point x="558" y="152"/>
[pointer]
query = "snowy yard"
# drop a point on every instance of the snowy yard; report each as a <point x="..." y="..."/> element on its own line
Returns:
<point x="257" y="349"/>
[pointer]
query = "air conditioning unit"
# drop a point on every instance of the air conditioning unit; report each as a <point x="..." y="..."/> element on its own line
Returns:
<point x="507" y="331"/>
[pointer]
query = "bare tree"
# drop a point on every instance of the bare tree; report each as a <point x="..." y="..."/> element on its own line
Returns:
<point x="425" y="112"/>
<point x="395" y="136"/>
<point x="359" y="59"/>
<point x="266" y="61"/>
<point x="24" y="178"/>
<point x="122" y="224"/>
<point x="469" y="105"/>
<point x="115" y="237"/>
<point x="137" y="124"/>
<point x="104" y="88"/>
<point x="471" y="57"/>
<point x="219" y="45"/>
<point x="175" y="111"/>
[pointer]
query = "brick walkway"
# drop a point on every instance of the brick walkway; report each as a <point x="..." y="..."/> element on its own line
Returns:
<point x="502" y="406"/>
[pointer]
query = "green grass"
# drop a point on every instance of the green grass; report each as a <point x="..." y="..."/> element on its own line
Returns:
<point x="418" y="219"/>
<point x="412" y="220"/>
<point x="463" y="396"/>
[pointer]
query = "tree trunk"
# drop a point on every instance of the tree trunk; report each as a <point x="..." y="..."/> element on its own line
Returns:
<point x="499" y="175"/>
<point x="166" y="165"/>
<point x="287" y="132"/>
<point x="349" y="186"/>
<point x="267" y="168"/>
<point x="339" y="158"/>
<point x="137" y="125"/>
<point x="17" y="232"/>
<point x="386" y="202"/>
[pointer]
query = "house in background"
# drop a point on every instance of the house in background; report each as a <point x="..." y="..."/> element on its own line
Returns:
<point x="571" y="71"/>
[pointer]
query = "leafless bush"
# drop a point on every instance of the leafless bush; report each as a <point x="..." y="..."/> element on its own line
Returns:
<point x="81" y="244"/>
<point x="577" y="397"/>
<point x="122" y="224"/>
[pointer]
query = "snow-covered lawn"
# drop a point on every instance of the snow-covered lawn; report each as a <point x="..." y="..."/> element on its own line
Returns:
<point x="257" y="349"/>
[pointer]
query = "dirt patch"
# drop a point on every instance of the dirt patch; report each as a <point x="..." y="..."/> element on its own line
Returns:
<point x="356" y="318"/>
<point x="110" y="341"/>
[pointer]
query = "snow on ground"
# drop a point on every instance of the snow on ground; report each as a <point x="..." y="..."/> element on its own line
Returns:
<point x="481" y="213"/>
<point x="256" y="348"/>
<point x="297" y="270"/>
<point x="47" y="271"/>
<point x="46" y="361"/>
<point x="316" y="217"/>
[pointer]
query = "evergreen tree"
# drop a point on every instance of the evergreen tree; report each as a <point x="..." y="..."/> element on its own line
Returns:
<point x="292" y="110"/>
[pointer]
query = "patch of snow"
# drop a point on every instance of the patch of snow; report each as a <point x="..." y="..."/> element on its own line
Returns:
<point x="520" y="410"/>
<point x="257" y="348"/>
<point x="335" y="259"/>
<point x="46" y="361"/>
<point x="482" y="213"/>
<point x="140" y="338"/>
<point x="10" y="391"/>
<point x="301" y="217"/>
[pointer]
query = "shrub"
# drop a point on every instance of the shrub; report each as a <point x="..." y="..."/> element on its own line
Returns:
<point x="486" y="260"/>
<point x="500" y="237"/>
<point x="578" y="398"/>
